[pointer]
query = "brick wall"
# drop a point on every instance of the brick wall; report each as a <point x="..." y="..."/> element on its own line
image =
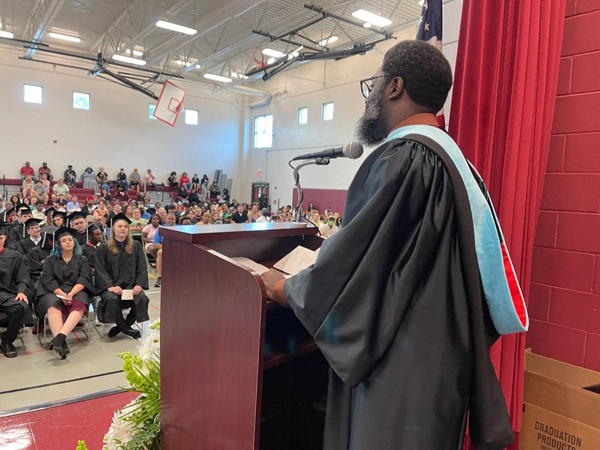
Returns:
<point x="564" y="301"/>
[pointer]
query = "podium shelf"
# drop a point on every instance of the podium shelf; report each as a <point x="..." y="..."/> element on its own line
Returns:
<point x="277" y="357"/>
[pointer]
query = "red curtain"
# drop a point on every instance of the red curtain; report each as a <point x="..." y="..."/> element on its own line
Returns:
<point x="501" y="116"/>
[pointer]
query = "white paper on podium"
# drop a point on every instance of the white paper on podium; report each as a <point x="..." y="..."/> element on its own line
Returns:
<point x="258" y="268"/>
<point x="297" y="260"/>
<point x="169" y="104"/>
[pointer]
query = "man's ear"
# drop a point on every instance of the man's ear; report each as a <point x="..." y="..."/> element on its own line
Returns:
<point x="396" y="88"/>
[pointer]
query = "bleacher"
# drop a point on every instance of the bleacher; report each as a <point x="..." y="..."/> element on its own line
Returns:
<point x="164" y="195"/>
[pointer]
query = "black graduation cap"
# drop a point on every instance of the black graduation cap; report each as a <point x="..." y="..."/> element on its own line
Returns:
<point x="50" y="210"/>
<point x="93" y="227"/>
<point x="3" y="228"/>
<point x="118" y="217"/>
<point x="23" y="207"/>
<point x="31" y="222"/>
<point x="63" y="231"/>
<point x="48" y="230"/>
<point x="74" y="215"/>
<point x="59" y="214"/>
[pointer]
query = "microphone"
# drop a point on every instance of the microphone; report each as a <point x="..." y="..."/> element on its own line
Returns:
<point x="352" y="150"/>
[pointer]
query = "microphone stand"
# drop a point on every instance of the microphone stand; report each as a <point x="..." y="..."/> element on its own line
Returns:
<point x="318" y="162"/>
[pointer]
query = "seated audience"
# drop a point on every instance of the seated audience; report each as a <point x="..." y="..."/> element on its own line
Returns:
<point x="227" y="218"/>
<point x="39" y="192"/>
<point x="70" y="176"/>
<point x="121" y="195"/>
<point x="195" y="182"/>
<point x="78" y="222"/>
<point x="172" y="180"/>
<point x="148" y="234"/>
<point x="61" y="202"/>
<point x="101" y="210"/>
<point x="137" y="224"/>
<point x="89" y="179"/>
<point x="73" y="205"/>
<point x="215" y="219"/>
<point x="64" y="289"/>
<point x="122" y="179"/>
<point x="45" y="170"/>
<point x="60" y="188"/>
<point x="14" y="298"/>
<point x="134" y="181"/>
<point x="89" y="207"/>
<point x="338" y="222"/>
<point x="328" y="228"/>
<point x="254" y="214"/>
<point x="105" y="194"/>
<point x="157" y="246"/>
<point x="241" y="215"/>
<point x="151" y="181"/>
<point x="27" y="186"/>
<point x="27" y="170"/>
<point x="121" y="265"/>
<point x="205" y="219"/>
<point x="185" y="181"/>
<point x="183" y="192"/>
<point x="265" y="216"/>
<point x="225" y="197"/>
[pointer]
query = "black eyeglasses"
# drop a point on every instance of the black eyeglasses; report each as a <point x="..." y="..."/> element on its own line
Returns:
<point x="366" y="86"/>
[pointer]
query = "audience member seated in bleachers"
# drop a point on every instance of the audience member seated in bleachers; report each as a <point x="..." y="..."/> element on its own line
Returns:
<point x="27" y="170"/>
<point x="215" y="219"/>
<point x="265" y="216"/>
<point x="134" y="181"/>
<point x="241" y="215"/>
<point x="101" y="210"/>
<point x="204" y="193"/>
<point x="214" y="190"/>
<point x="73" y="205"/>
<point x="338" y="222"/>
<point x="151" y="183"/>
<point x="183" y="221"/>
<point x="172" y="180"/>
<point x="27" y="186"/>
<point x="205" y="219"/>
<point x="195" y="182"/>
<point x="89" y="179"/>
<point x="61" y="202"/>
<point x="225" y="197"/>
<point x="122" y="179"/>
<point x="45" y="170"/>
<point x="90" y="206"/>
<point x="60" y="188"/>
<point x="39" y="193"/>
<point x="15" y="199"/>
<point x="254" y="214"/>
<point x="227" y="218"/>
<point x="78" y="222"/>
<point x="183" y="193"/>
<point x="102" y="179"/>
<point x="14" y="295"/>
<point x="148" y="233"/>
<point x="328" y="228"/>
<point x="121" y="195"/>
<point x="105" y="194"/>
<point x="34" y="237"/>
<point x="185" y="181"/>
<point x="276" y="219"/>
<point x="95" y="236"/>
<point x="121" y="265"/>
<point x="70" y="176"/>
<point x="19" y="232"/>
<point x="64" y="289"/>
<point x="38" y="212"/>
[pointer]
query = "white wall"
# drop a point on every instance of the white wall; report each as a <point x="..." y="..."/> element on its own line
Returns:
<point x="311" y="85"/>
<point x="116" y="132"/>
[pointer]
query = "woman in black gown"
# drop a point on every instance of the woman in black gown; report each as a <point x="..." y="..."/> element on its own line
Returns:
<point x="64" y="289"/>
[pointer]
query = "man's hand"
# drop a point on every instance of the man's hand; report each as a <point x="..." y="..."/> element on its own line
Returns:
<point x="137" y="290"/>
<point x="21" y="298"/>
<point x="270" y="278"/>
<point x="115" y="290"/>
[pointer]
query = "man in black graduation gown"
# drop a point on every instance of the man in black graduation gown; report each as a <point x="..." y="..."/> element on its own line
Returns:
<point x="35" y="260"/>
<point x="14" y="298"/>
<point x="79" y="224"/>
<point x="91" y="247"/>
<point x="395" y="301"/>
<point x="35" y="237"/>
<point x="19" y="232"/>
<point x="121" y="265"/>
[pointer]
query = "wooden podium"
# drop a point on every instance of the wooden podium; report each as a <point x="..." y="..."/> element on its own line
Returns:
<point x="238" y="372"/>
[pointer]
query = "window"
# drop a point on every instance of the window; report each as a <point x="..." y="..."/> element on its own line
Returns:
<point x="263" y="131"/>
<point x="327" y="111"/>
<point x="33" y="94"/>
<point x="302" y="116"/>
<point x="151" y="108"/>
<point x="81" y="100"/>
<point x="191" y="117"/>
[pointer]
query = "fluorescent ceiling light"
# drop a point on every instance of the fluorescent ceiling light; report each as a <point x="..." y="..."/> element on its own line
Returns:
<point x="367" y="25"/>
<point x="270" y="60"/>
<point x="220" y="78"/>
<point x="6" y="34"/>
<point x="64" y="37"/>
<point x="372" y="18"/>
<point x="182" y="63"/>
<point x="198" y="66"/>
<point x="330" y="40"/>
<point x="127" y="59"/>
<point x="175" y="27"/>
<point x="137" y="53"/>
<point x="274" y="53"/>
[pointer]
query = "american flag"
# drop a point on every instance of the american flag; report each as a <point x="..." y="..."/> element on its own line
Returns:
<point x="430" y="30"/>
<point x="430" y="25"/>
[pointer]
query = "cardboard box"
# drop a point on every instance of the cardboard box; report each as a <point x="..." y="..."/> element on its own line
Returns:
<point x="561" y="409"/>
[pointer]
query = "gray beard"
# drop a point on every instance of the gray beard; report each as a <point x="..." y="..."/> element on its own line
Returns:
<point x="368" y="127"/>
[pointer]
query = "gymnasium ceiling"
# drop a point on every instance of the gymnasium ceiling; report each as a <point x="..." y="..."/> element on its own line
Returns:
<point x="221" y="46"/>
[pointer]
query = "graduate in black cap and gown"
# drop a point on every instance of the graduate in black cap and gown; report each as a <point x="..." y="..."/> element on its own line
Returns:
<point x="95" y="235"/>
<point x="79" y="224"/>
<point x="59" y="219"/>
<point x="34" y="237"/>
<point x="64" y="289"/>
<point x="14" y="295"/>
<point x="19" y="231"/>
<point x="121" y="265"/>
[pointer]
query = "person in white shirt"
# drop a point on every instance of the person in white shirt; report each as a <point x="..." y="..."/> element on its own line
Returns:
<point x="38" y="212"/>
<point x="265" y="216"/>
<point x="328" y="229"/>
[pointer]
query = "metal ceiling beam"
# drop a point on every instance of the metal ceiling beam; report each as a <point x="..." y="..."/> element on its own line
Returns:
<point x="114" y="25"/>
<point x="217" y="16"/>
<point x="40" y="20"/>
